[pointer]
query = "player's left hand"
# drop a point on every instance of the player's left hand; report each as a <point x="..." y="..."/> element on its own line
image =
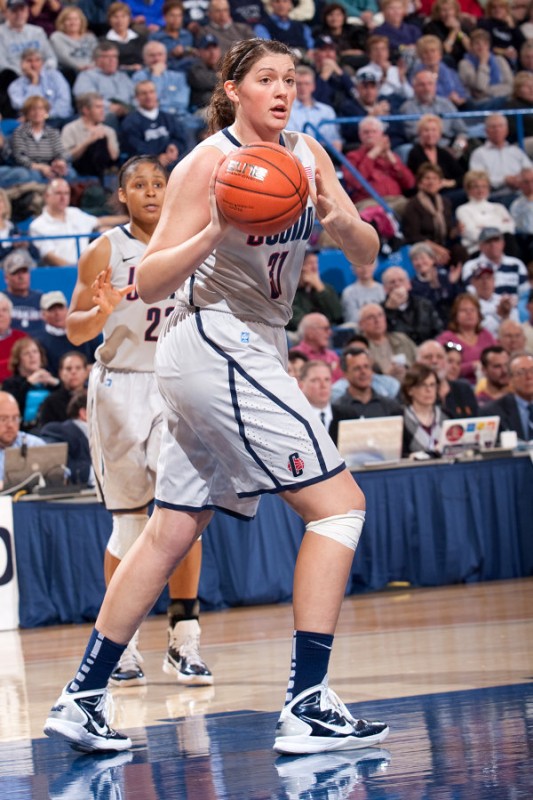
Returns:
<point x="106" y="296"/>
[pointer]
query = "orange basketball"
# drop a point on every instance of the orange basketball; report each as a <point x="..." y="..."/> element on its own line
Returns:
<point x="261" y="188"/>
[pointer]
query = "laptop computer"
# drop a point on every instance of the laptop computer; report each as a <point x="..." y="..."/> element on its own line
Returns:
<point x="370" y="441"/>
<point x="472" y="433"/>
<point x="26" y="468"/>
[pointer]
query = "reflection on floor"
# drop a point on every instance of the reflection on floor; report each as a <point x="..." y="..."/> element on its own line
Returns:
<point x="468" y="745"/>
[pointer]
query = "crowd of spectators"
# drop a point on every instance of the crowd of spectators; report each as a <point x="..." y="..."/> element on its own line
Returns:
<point x="83" y="87"/>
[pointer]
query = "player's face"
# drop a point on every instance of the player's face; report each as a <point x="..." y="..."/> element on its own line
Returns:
<point x="143" y="193"/>
<point x="265" y="96"/>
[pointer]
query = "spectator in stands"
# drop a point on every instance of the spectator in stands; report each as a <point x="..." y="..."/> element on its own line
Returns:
<point x="130" y="44"/>
<point x="333" y="83"/>
<point x="495" y="370"/>
<point x="8" y="230"/>
<point x="314" y="332"/>
<point x="407" y="312"/>
<point x="427" y="217"/>
<point x="74" y="431"/>
<point x="364" y="290"/>
<point x="61" y="219"/>
<point x="315" y="383"/>
<point x="527" y="325"/>
<point x="384" y="385"/>
<point x="115" y="86"/>
<point x="349" y="39"/>
<point x="37" y="146"/>
<point x="313" y="295"/>
<point x="279" y="25"/>
<point x="91" y="146"/>
<point x="73" y="43"/>
<point x="8" y="335"/>
<point x="522" y="213"/>
<point x="522" y="99"/>
<point x="26" y="313"/>
<point x="379" y="166"/>
<point x="73" y="372"/>
<point x="38" y="80"/>
<point x="453" y="361"/>
<point x="429" y="50"/>
<point x="426" y="101"/>
<point x="391" y="78"/>
<point x="178" y="41"/>
<point x="391" y="352"/>
<point x="306" y="109"/>
<point x="422" y="415"/>
<point x="401" y="35"/>
<point x="10" y="433"/>
<point x="466" y="332"/>
<point x="510" y="272"/>
<point x="486" y="76"/>
<point x="427" y="149"/>
<point x="152" y="131"/>
<point x="435" y="283"/>
<point x="479" y="212"/>
<point x="368" y="94"/>
<point x="295" y="362"/>
<point x="30" y="382"/>
<point x="515" y="409"/>
<point x="503" y="162"/>
<point x="54" y="337"/>
<point x="511" y="336"/>
<point x="506" y="38"/>
<point x="147" y="16"/>
<point x="494" y="307"/>
<point x="15" y="36"/>
<point x="248" y="11"/>
<point x="456" y="397"/>
<point x="44" y="14"/>
<point x="360" y="399"/>
<point x="223" y="27"/>
<point x="202" y="75"/>
<point x="9" y="174"/>
<point x="447" y="23"/>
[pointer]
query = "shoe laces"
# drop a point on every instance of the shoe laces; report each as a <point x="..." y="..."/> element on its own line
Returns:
<point x="106" y="707"/>
<point x="130" y="658"/>
<point x="330" y="698"/>
<point x="188" y="647"/>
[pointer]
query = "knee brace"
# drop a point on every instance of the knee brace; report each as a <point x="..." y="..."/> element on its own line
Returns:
<point x="126" y="530"/>
<point x="342" y="528"/>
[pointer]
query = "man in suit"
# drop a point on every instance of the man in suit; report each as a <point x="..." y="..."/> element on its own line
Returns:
<point x="315" y="383"/>
<point x="516" y="408"/>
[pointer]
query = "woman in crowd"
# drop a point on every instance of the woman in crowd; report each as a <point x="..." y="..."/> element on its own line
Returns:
<point x="73" y="43"/>
<point x="350" y="40"/>
<point x="392" y="78"/>
<point x="479" y="212"/>
<point x="465" y="329"/>
<point x="522" y="98"/>
<point x="427" y="216"/>
<point x="445" y="22"/>
<point x="37" y="146"/>
<point x="30" y="382"/>
<point x="438" y="285"/>
<point x="488" y="77"/>
<point x="129" y="43"/>
<point x="506" y="38"/>
<point x="453" y="360"/>
<point x="44" y="14"/>
<point x="422" y="416"/>
<point x="427" y="150"/>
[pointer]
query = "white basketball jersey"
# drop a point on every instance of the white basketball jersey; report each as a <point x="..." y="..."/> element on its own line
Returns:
<point x="254" y="276"/>
<point x="130" y="333"/>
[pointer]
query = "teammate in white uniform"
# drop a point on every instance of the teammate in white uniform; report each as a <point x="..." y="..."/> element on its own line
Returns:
<point x="236" y="424"/>
<point x="124" y="407"/>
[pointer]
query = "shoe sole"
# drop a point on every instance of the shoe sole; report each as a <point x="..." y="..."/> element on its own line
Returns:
<point x="187" y="680"/>
<point x="304" y="745"/>
<point x="85" y="742"/>
<point x="125" y="683"/>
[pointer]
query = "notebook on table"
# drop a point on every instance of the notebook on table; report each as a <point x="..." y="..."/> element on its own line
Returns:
<point x="370" y="441"/>
<point x="472" y="433"/>
<point x="29" y="467"/>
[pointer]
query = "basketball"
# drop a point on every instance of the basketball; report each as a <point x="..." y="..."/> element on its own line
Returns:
<point x="261" y="189"/>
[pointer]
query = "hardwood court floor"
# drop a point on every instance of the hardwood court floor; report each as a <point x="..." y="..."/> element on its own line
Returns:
<point x="450" y="669"/>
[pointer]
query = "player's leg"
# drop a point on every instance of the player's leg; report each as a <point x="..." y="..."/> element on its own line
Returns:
<point x="79" y="716"/>
<point x="182" y="659"/>
<point x="314" y="719"/>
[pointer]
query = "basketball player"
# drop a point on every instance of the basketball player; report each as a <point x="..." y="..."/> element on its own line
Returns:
<point x="236" y="425"/>
<point x="125" y="417"/>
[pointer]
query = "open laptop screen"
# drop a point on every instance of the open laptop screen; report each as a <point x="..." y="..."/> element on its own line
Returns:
<point x="471" y="433"/>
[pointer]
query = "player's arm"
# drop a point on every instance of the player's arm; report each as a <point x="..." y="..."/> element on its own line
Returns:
<point x="189" y="229"/>
<point x="338" y="215"/>
<point x="94" y="297"/>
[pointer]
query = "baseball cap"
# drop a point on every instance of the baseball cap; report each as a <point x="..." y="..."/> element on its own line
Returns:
<point x="321" y="42"/>
<point x="482" y="269"/>
<point x="53" y="299"/>
<point x="17" y="260"/>
<point x="365" y="75"/>
<point x="208" y="41"/>
<point x="490" y="233"/>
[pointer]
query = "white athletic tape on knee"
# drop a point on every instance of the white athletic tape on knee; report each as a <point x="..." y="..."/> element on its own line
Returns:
<point x="126" y="530"/>
<point x="342" y="528"/>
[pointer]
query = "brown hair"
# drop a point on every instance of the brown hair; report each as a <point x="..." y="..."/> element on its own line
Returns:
<point x="15" y="356"/>
<point x="457" y="303"/>
<point x="114" y="8"/>
<point x="60" y="21"/>
<point x="32" y="102"/>
<point x="426" y="167"/>
<point x="437" y="8"/>
<point x="415" y="376"/>
<point x="236" y="64"/>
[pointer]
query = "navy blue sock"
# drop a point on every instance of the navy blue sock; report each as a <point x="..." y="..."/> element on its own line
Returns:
<point x="98" y="662"/>
<point x="310" y="661"/>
